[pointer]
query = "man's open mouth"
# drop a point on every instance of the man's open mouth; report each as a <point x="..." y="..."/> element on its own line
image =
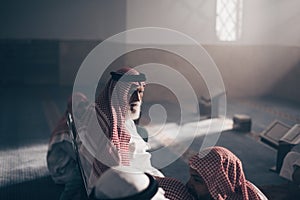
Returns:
<point x="134" y="106"/>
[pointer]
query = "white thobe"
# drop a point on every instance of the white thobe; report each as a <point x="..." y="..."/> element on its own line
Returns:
<point x="140" y="158"/>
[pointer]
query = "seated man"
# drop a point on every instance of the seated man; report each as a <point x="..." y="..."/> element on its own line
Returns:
<point x="123" y="182"/>
<point x="114" y="142"/>
<point x="110" y="138"/>
<point x="139" y="156"/>
<point x="216" y="173"/>
<point x="291" y="165"/>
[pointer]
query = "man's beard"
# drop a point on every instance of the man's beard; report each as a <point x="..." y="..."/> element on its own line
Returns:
<point x="135" y="110"/>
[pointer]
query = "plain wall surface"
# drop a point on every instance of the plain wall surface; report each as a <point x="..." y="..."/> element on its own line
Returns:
<point x="264" y="22"/>
<point x="84" y="20"/>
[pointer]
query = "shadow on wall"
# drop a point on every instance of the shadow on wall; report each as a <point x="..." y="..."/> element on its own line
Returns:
<point x="288" y="86"/>
<point x="252" y="71"/>
<point x="29" y="62"/>
<point x="156" y="56"/>
<point x="168" y="101"/>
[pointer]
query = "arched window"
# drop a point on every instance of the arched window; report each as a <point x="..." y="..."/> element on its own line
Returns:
<point x="229" y="19"/>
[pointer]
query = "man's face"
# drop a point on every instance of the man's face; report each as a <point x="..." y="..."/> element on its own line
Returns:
<point x="135" y="101"/>
<point x="197" y="186"/>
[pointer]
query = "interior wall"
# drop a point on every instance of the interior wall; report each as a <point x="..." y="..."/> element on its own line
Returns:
<point x="29" y="62"/>
<point x="250" y="71"/>
<point x="62" y="20"/>
<point x="71" y="55"/>
<point x="265" y="22"/>
<point x="247" y="71"/>
<point x="264" y="61"/>
<point x="36" y="33"/>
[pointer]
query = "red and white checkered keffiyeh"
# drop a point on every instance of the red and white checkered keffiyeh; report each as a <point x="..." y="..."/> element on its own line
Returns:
<point x="111" y="107"/>
<point x="174" y="189"/>
<point x="114" y="104"/>
<point x="223" y="174"/>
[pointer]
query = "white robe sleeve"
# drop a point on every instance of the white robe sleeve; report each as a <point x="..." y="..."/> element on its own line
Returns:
<point x="140" y="158"/>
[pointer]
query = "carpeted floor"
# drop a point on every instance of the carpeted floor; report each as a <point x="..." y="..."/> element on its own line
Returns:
<point x="285" y="191"/>
<point x="38" y="188"/>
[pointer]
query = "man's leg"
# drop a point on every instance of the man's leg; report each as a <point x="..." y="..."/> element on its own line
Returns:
<point x="74" y="189"/>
